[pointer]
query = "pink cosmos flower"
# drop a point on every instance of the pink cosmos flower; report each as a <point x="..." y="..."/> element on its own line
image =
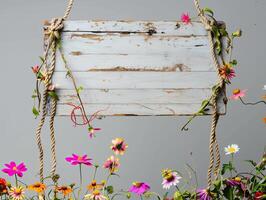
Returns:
<point x="78" y="160"/>
<point x="35" y="69"/>
<point x="203" y="194"/>
<point x="185" y="18"/>
<point x="139" y="188"/>
<point x="237" y="93"/>
<point x="13" y="169"/>
<point x="112" y="164"/>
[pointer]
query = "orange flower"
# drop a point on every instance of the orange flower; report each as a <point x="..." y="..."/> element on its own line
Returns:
<point x="65" y="190"/>
<point x="37" y="187"/>
<point x="264" y="120"/>
<point x="94" y="186"/>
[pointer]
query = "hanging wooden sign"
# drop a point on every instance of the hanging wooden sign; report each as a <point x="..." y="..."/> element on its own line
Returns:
<point x="138" y="68"/>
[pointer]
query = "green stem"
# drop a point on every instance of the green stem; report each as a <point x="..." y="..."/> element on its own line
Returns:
<point x="16" y="180"/>
<point x="95" y="171"/>
<point x="80" y="180"/>
<point x="232" y="163"/>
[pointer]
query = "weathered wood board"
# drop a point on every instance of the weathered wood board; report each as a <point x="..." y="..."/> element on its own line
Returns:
<point x="136" y="67"/>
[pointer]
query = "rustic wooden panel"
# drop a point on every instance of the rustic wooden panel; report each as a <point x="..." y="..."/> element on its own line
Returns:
<point x="146" y="96"/>
<point x="161" y="27"/>
<point x="133" y="80"/>
<point x="138" y="109"/>
<point x="136" y="67"/>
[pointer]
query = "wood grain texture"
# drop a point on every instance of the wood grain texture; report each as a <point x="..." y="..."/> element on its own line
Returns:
<point x="131" y="68"/>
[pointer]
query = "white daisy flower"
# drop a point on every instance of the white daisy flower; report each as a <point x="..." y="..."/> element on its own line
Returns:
<point x="231" y="149"/>
<point x="170" y="179"/>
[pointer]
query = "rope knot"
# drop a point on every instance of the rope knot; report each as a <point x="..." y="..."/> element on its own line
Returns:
<point x="56" y="26"/>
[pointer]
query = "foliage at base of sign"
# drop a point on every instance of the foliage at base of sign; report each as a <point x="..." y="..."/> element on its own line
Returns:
<point x="230" y="184"/>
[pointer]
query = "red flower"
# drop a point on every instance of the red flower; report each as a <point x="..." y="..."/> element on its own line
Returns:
<point x="3" y="186"/>
<point x="258" y="195"/>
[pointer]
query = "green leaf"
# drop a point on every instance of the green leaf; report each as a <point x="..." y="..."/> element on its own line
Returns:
<point x="80" y="89"/>
<point x="226" y="167"/>
<point x="204" y="103"/>
<point x="35" y="112"/>
<point x="53" y="95"/>
<point x="229" y="193"/>
<point x="208" y="10"/>
<point x="253" y="163"/>
<point x="68" y="74"/>
<point x="110" y="189"/>
<point x="178" y="196"/>
<point x="42" y="59"/>
<point x="223" y="32"/>
<point x="237" y="33"/>
<point x="233" y="62"/>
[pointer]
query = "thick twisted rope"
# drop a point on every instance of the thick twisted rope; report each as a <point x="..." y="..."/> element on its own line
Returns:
<point x="68" y="10"/>
<point x="53" y="111"/>
<point x="213" y="145"/>
<point x="54" y="33"/>
<point x="38" y="133"/>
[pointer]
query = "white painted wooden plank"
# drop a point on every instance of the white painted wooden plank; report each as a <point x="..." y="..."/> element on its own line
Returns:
<point x="137" y="109"/>
<point x="133" y="80"/>
<point x="128" y="71"/>
<point x="190" y="59"/>
<point x="124" y="96"/>
<point x="129" y="44"/>
<point x="161" y="27"/>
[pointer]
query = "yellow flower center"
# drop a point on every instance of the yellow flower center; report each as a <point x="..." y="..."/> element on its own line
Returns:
<point x="79" y="158"/>
<point x="231" y="149"/>
<point x="15" y="168"/>
<point x="237" y="179"/>
<point x="96" y="192"/>
<point x="137" y="184"/>
<point x="18" y="191"/>
<point x="236" y="91"/>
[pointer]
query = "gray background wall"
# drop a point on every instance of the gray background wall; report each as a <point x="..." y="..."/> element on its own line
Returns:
<point x="154" y="142"/>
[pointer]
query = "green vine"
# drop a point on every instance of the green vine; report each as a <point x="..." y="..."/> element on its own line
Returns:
<point x="223" y="43"/>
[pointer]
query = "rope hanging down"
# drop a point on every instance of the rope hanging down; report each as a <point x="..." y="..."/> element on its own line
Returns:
<point x="53" y="31"/>
<point x="213" y="146"/>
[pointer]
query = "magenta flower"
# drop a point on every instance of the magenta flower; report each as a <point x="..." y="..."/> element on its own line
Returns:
<point x="139" y="188"/>
<point x="13" y="169"/>
<point x="78" y="160"/>
<point x="236" y="181"/>
<point x="237" y="93"/>
<point x="203" y="194"/>
<point x="185" y="18"/>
